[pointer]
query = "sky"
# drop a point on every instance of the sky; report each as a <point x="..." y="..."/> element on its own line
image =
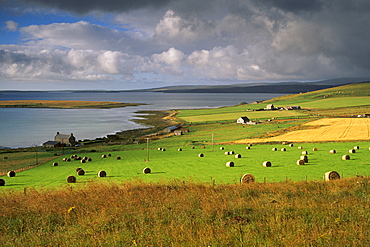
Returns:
<point x="131" y="44"/>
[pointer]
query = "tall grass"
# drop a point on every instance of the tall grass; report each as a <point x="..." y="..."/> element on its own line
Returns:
<point x="180" y="213"/>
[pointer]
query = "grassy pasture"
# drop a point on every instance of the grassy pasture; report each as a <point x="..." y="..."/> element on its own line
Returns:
<point x="186" y="165"/>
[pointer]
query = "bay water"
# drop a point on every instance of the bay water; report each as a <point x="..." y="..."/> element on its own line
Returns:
<point x="25" y="127"/>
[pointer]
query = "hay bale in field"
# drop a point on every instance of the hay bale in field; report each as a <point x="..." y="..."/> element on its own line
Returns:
<point x="291" y="145"/>
<point x="332" y="151"/>
<point x="222" y="148"/>
<point x="315" y="149"/>
<point x="274" y="149"/>
<point x="5" y="158"/>
<point x="238" y="156"/>
<point x="247" y="147"/>
<point x="78" y="168"/>
<point x="85" y="158"/>
<point x="147" y="170"/>
<point x="109" y="155"/>
<point x="300" y="147"/>
<point x="83" y="161"/>
<point x="81" y="172"/>
<point x="159" y="149"/>
<point x="104" y="156"/>
<point x="204" y="147"/>
<point x="71" y="179"/>
<point x="192" y="147"/>
<point x="266" y="164"/>
<point x="250" y="145"/>
<point x="68" y="159"/>
<point x="55" y="164"/>
<point x="300" y="162"/>
<point x="247" y="178"/>
<point x="118" y="158"/>
<point x="332" y="175"/>
<point x="229" y="164"/>
<point x="304" y="152"/>
<point x="231" y="152"/>
<point x="226" y="153"/>
<point x="11" y="174"/>
<point x="345" y="157"/>
<point x="89" y="159"/>
<point x="180" y="149"/>
<point x="305" y="158"/>
<point x="2" y="182"/>
<point x="163" y="149"/>
<point x="283" y="149"/>
<point x="102" y="174"/>
<point x="64" y="159"/>
<point x="356" y="147"/>
<point x="284" y="143"/>
<point x="200" y="155"/>
<point x="352" y="151"/>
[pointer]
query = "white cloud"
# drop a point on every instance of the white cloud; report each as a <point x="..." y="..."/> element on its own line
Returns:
<point x="11" y="26"/>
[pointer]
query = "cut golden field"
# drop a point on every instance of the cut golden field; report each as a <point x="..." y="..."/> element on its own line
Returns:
<point x="327" y="129"/>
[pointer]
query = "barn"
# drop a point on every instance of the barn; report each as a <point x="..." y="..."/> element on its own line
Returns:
<point x="242" y="120"/>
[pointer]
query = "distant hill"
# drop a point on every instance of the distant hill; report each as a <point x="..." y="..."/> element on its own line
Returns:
<point x="279" y="87"/>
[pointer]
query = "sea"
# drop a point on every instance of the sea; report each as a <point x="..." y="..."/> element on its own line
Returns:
<point x="28" y="127"/>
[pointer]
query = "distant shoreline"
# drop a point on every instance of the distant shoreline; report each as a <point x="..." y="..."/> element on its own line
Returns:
<point x="64" y="104"/>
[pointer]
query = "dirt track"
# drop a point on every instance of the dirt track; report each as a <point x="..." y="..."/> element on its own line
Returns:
<point x="328" y="129"/>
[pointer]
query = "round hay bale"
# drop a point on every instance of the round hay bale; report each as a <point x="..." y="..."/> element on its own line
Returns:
<point x="200" y="155"/>
<point x="332" y="175"/>
<point x="315" y="149"/>
<point x="238" y="156"/>
<point x="222" y="148"/>
<point x="204" y="147"/>
<point x="229" y="164"/>
<point x="345" y="157"/>
<point x="266" y="164"/>
<point x="356" y="147"/>
<point x="332" y="151"/>
<point x="305" y="158"/>
<point x="180" y="149"/>
<point x="102" y="174"/>
<point x="284" y="143"/>
<point x="118" y="158"/>
<point x="159" y="149"/>
<point x="55" y="164"/>
<point x="352" y="151"/>
<point x="11" y="174"/>
<point x="163" y="149"/>
<point x="247" y="178"/>
<point x="274" y="149"/>
<point x="300" y="162"/>
<point x="68" y="159"/>
<point x="81" y="172"/>
<point x="226" y="153"/>
<point x="72" y="156"/>
<point x="109" y="155"/>
<point x="104" y="156"/>
<point x="304" y="152"/>
<point x="248" y="147"/>
<point x="192" y="147"/>
<point x="64" y="159"/>
<point x="83" y="161"/>
<point x="85" y="158"/>
<point x="89" y="159"/>
<point x="2" y="182"/>
<point x="283" y="149"/>
<point x="147" y="170"/>
<point x="300" y="147"/>
<point x="5" y="158"/>
<point x="71" y="179"/>
<point x="77" y="169"/>
<point x="231" y="152"/>
<point x="291" y="145"/>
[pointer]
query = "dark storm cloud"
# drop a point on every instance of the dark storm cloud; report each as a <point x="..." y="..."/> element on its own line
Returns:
<point x="85" y="6"/>
<point x="291" y="5"/>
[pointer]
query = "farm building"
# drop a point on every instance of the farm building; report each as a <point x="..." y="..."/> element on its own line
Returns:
<point x="61" y="140"/>
<point x="171" y="129"/>
<point x="270" y="107"/>
<point x="242" y="120"/>
<point x="294" y="107"/>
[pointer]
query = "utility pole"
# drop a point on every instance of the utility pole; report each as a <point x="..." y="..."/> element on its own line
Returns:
<point x="147" y="149"/>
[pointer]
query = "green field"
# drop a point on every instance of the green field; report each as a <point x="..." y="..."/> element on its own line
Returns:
<point x="186" y="165"/>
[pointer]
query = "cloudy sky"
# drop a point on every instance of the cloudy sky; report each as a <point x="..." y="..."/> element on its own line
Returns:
<point x="126" y="44"/>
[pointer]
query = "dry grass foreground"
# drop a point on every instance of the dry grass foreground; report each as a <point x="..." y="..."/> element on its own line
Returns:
<point x="327" y="129"/>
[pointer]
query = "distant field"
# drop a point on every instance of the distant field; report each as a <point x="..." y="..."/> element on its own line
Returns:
<point x="327" y="129"/>
<point x="62" y="104"/>
<point x="186" y="165"/>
